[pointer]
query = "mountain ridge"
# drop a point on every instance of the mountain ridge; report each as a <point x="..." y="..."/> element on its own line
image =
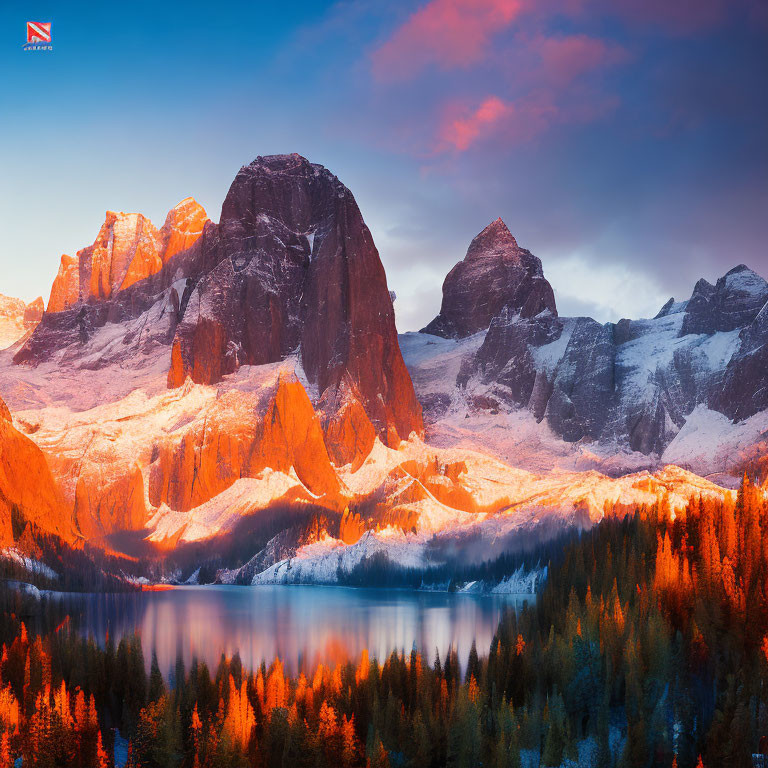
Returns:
<point x="255" y="363"/>
<point x="634" y="381"/>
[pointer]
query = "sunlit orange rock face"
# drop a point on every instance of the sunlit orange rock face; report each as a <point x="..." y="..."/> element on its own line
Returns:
<point x="26" y="483"/>
<point x="290" y="277"/>
<point x="103" y="506"/>
<point x="349" y="434"/>
<point x="443" y="481"/>
<point x="127" y="249"/>
<point x="210" y="364"/>
<point x="33" y="313"/>
<point x="65" y="290"/>
<point x="295" y="268"/>
<point x="351" y="527"/>
<point x="183" y="226"/>
<point x="291" y="436"/>
<point x="192" y="467"/>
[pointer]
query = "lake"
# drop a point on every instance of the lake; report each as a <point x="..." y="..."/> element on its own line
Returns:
<point x="303" y="625"/>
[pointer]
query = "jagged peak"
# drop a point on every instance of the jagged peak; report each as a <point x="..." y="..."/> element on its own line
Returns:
<point x="188" y="206"/>
<point x="745" y="279"/>
<point x="671" y="307"/>
<point x="188" y="210"/>
<point x="739" y="268"/>
<point x="187" y="202"/>
<point x="499" y="224"/>
<point x="740" y="277"/>
<point x="664" y="311"/>
<point x="112" y="216"/>
<point x="128" y="248"/>
<point x="494" y="238"/>
<point x="496" y="273"/>
<point x="734" y="301"/>
<point x="702" y="287"/>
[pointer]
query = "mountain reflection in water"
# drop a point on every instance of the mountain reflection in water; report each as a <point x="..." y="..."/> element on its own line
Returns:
<point x="303" y="625"/>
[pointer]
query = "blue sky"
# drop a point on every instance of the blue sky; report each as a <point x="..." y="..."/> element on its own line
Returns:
<point x="622" y="141"/>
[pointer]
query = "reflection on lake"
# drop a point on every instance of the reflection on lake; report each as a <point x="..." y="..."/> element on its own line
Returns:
<point x="302" y="625"/>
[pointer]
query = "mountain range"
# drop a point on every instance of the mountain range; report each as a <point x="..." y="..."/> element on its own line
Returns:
<point x="186" y="378"/>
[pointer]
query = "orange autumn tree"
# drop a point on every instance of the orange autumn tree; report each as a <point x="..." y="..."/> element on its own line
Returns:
<point x="240" y="719"/>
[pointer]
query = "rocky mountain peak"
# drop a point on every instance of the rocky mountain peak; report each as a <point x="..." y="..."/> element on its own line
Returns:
<point x="632" y="383"/>
<point x="494" y="240"/>
<point x="280" y="189"/>
<point x="127" y="250"/>
<point x="496" y="274"/>
<point x="33" y="312"/>
<point x="733" y="302"/>
<point x="183" y="225"/>
<point x="292" y="270"/>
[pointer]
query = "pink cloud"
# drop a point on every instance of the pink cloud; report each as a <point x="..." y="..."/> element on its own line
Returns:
<point x="446" y="33"/>
<point x="564" y="59"/>
<point x="517" y="122"/>
<point x="461" y="132"/>
<point x="553" y="89"/>
<point x="458" y="33"/>
<point x="509" y="123"/>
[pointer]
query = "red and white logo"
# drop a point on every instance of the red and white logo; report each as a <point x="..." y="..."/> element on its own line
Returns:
<point x="38" y="32"/>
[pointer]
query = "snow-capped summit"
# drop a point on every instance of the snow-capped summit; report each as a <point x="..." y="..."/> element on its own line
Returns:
<point x="630" y="384"/>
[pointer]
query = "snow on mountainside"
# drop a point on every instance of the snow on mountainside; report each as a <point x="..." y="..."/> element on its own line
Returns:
<point x="707" y="443"/>
<point x="449" y="482"/>
<point x="221" y="514"/>
<point x="710" y="441"/>
<point x="565" y="498"/>
<point x="233" y="367"/>
<point x="322" y="562"/>
<point x="319" y="562"/>
<point x="539" y="389"/>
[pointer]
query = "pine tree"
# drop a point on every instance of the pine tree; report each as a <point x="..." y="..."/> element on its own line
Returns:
<point x="156" y="684"/>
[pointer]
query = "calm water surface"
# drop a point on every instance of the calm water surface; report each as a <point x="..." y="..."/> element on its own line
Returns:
<point x="303" y="625"/>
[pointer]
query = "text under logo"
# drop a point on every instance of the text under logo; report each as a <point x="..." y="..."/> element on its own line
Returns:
<point x="38" y="36"/>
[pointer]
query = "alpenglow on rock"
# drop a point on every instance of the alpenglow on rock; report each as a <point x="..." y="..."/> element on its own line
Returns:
<point x="127" y="250"/>
<point x="292" y="267"/>
<point x="26" y="485"/>
<point x="496" y="273"/>
<point x="289" y="279"/>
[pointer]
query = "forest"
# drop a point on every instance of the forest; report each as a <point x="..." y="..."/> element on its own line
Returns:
<point x="647" y="646"/>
